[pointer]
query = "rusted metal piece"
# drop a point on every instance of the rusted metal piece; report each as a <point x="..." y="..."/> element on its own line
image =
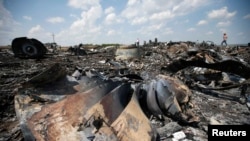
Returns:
<point x="85" y="109"/>
<point x="24" y="47"/>
<point x="41" y="95"/>
<point x="120" y="117"/>
<point x="132" y="124"/>
<point x="62" y="120"/>
<point x="94" y="107"/>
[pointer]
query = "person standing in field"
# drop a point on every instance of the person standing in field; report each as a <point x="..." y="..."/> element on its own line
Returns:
<point x="137" y="42"/>
<point x="224" y="39"/>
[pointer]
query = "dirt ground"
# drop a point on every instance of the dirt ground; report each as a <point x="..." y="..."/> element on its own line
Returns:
<point x="217" y="107"/>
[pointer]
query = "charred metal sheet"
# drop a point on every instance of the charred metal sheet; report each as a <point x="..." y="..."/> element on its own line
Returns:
<point x="37" y="98"/>
<point x="32" y="100"/>
<point x="119" y="117"/>
<point x="152" y="100"/>
<point x="225" y="66"/>
<point x="94" y="107"/>
<point x="132" y="124"/>
<point x="212" y="60"/>
<point x="166" y="96"/>
<point x="113" y="103"/>
<point x="65" y="119"/>
<point x="62" y="120"/>
<point x="28" y="48"/>
<point x="180" y="90"/>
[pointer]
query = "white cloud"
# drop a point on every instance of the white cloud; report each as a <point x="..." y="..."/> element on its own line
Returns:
<point x="223" y="24"/>
<point x="85" y="28"/>
<point x="94" y="13"/>
<point x="90" y="21"/>
<point x="39" y="33"/>
<point x="246" y="16"/>
<point x="111" y="32"/>
<point x="5" y="18"/>
<point x="110" y="18"/>
<point x="95" y="30"/>
<point x="109" y="10"/>
<point x="35" y="29"/>
<point x="186" y="6"/>
<point x="87" y="20"/>
<point x="152" y="16"/>
<point x="168" y="31"/>
<point x="74" y="16"/>
<point x="132" y="2"/>
<point x="150" y="28"/>
<point x="160" y="11"/>
<point x="55" y="20"/>
<point x="27" y="18"/>
<point x="83" y="4"/>
<point x="221" y="13"/>
<point x="130" y="13"/>
<point x="163" y="15"/>
<point x="191" y="29"/>
<point x="139" y="20"/>
<point x="202" y="22"/>
<point x="9" y="28"/>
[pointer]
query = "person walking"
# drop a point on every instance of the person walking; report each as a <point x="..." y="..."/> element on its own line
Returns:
<point x="224" y="39"/>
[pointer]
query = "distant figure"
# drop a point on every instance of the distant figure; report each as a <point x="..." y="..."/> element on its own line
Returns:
<point x="137" y="42"/>
<point x="224" y="39"/>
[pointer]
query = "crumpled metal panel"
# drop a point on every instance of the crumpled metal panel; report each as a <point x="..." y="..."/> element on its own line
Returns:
<point x="132" y="124"/>
<point x="81" y="110"/>
<point x="214" y="61"/>
<point x="165" y="95"/>
<point x="119" y="122"/>
<point x="61" y="120"/>
<point x="152" y="100"/>
<point x="177" y="87"/>
<point x="93" y="107"/>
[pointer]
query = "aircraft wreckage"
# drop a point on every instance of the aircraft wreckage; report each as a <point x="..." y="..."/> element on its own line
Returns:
<point x="61" y="107"/>
<point x="89" y="105"/>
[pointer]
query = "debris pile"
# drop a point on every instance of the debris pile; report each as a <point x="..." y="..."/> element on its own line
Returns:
<point x="170" y="92"/>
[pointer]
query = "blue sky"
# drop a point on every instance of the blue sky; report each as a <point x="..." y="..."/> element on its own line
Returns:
<point x="120" y="21"/>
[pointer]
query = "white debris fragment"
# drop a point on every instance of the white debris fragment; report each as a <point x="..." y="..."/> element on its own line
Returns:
<point x="102" y="61"/>
<point x="179" y="135"/>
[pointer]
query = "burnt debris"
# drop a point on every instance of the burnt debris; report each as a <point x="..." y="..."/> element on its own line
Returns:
<point x="158" y="91"/>
<point x="24" y="47"/>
